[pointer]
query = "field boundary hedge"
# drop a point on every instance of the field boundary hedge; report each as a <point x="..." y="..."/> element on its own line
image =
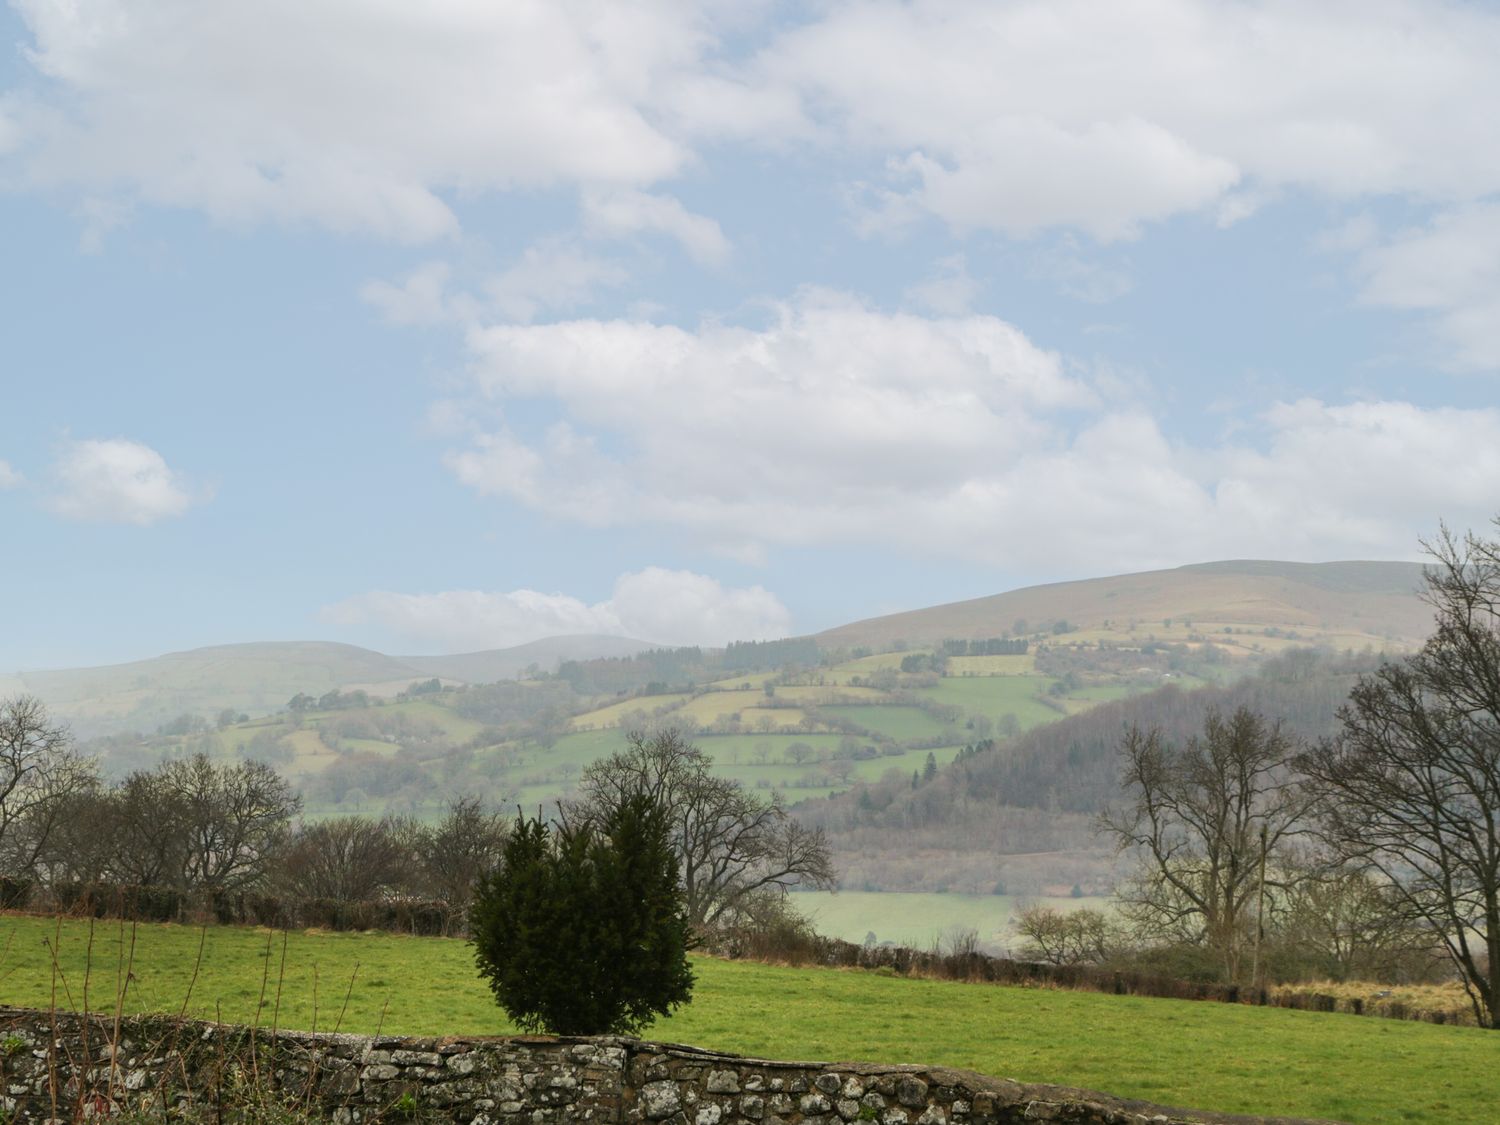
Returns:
<point x="980" y="967"/>
<point x="418" y="917"/>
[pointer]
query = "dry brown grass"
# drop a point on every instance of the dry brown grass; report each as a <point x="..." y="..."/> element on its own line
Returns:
<point x="1446" y="997"/>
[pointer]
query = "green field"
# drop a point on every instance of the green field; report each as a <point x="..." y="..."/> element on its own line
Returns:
<point x="1230" y="1058"/>
<point x="998" y="696"/>
<point x="919" y="920"/>
<point x="899" y="723"/>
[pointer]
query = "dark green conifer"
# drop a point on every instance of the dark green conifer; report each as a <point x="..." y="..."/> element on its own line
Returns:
<point x="584" y="931"/>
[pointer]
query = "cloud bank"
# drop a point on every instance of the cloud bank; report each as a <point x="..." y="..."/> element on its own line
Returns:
<point x="838" y="424"/>
<point x="673" y="607"/>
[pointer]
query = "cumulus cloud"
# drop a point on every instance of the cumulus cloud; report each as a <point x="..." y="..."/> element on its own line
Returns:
<point x="675" y="607"/>
<point x="1106" y="116"/>
<point x="839" y="424"/>
<point x="355" y="116"/>
<point x="116" y="481"/>
<point x="833" y="404"/>
<point x="1449" y="269"/>
<point x="9" y="477"/>
<point x="625" y="212"/>
<point x="1038" y="113"/>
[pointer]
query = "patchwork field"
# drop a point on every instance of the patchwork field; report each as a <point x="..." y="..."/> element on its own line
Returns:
<point x="1230" y="1058"/>
<point x="805" y="734"/>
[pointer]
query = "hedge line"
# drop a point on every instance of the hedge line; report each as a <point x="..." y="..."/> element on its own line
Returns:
<point x="422" y="917"/>
<point x="974" y="966"/>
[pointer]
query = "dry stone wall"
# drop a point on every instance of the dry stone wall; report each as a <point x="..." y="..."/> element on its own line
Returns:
<point x="66" y="1067"/>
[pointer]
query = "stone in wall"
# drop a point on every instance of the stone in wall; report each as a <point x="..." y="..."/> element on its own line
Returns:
<point x="67" y="1067"/>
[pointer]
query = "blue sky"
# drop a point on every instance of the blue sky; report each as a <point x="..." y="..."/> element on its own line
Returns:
<point x="444" y="327"/>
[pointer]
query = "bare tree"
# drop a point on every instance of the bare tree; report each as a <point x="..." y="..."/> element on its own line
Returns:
<point x="1065" y="937"/>
<point x="464" y="845"/>
<point x="348" y="858"/>
<point x="232" y="819"/>
<point x="39" y="772"/>
<point x="147" y="820"/>
<point x="731" y="843"/>
<point x="1413" y="778"/>
<point x="1348" y="923"/>
<point x="1196" y="821"/>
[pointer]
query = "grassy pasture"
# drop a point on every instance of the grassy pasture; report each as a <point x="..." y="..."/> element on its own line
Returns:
<point x="897" y="722"/>
<point x="997" y="696"/>
<point x="710" y="705"/>
<point x="1230" y="1058"/>
<point x="611" y="714"/>
<point x="1020" y="664"/>
<point x="919" y="920"/>
<point x="865" y="666"/>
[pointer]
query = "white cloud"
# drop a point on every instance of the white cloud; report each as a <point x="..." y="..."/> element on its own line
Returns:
<point x="837" y="424"/>
<point x="813" y="422"/>
<point x="1102" y="117"/>
<point x="353" y="115"/>
<point x="555" y="275"/>
<point x="674" y="607"/>
<point x="422" y="298"/>
<point x="116" y="481"/>
<point x="1451" y="270"/>
<point x="9" y="477"/>
<point x="372" y="117"/>
<point x="624" y="212"/>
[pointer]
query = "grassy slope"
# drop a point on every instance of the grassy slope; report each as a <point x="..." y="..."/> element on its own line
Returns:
<point x="1241" y="1059"/>
<point x="1325" y="601"/>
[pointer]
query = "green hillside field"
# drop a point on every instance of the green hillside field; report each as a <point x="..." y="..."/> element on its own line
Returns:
<point x="794" y="739"/>
<point x="1217" y="1056"/>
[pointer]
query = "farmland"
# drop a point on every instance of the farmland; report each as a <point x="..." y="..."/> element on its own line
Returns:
<point x="799" y="732"/>
<point x="1224" y="1057"/>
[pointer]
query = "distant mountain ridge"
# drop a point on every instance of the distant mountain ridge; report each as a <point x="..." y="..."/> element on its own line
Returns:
<point x="1348" y="604"/>
<point x="508" y="663"/>
<point x="1341" y="605"/>
<point x="259" y="677"/>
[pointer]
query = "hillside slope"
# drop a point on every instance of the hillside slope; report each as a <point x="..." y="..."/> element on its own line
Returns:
<point x="507" y="663"/>
<point x="257" y="678"/>
<point x="1343" y="604"/>
<point x="1027" y="804"/>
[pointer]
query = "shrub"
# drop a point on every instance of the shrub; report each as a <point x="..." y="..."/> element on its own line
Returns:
<point x="584" y="930"/>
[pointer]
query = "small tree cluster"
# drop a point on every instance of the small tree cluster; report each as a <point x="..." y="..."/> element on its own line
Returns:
<point x="731" y="844"/>
<point x="582" y="928"/>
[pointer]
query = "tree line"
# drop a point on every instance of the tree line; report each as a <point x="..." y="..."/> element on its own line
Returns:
<point x="1379" y="840"/>
<point x="196" y="825"/>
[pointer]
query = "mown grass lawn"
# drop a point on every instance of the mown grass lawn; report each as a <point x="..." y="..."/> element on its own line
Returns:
<point x="1240" y="1059"/>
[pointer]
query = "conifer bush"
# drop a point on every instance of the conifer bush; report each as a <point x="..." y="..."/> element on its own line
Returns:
<point x="582" y="929"/>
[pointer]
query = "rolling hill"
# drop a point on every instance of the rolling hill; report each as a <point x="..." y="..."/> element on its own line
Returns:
<point x="508" y="663"/>
<point x="1340" y="604"/>
<point x="1244" y="608"/>
<point x="258" y="678"/>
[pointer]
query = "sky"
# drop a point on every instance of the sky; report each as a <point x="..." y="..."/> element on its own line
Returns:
<point x="448" y="326"/>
